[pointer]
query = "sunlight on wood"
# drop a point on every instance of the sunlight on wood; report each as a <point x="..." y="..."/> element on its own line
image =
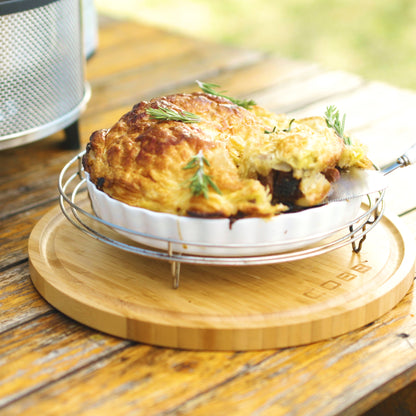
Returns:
<point x="372" y="39"/>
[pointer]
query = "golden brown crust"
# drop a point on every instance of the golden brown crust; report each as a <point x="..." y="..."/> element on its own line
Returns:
<point x="140" y="161"/>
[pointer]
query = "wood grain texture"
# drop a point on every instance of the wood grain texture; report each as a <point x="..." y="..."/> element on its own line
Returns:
<point x="15" y="231"/>
<point x="149" y="81"/>
<point x="306" y="380"/>
<point x="41" y="351"/>
<point x="19" y="301"/>
<point x="219" y="308"/>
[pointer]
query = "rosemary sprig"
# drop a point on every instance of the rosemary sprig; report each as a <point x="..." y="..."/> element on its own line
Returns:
<point x="200" y="181"/>
<point x="290" y="126"/>
<point x="210" y="88"/>
<point x="287" y="130"/>
<point x="333" y="121"/>
<point x="270" y="131"/>
<point x="165" y="113"/>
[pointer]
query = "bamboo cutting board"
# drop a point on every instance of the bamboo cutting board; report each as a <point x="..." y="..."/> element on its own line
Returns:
<point x="220" y="307"/>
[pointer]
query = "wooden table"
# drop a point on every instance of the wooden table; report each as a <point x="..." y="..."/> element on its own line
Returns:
<point x="51" y="365"/>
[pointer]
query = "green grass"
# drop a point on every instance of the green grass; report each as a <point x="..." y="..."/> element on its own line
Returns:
<point x="375" y="39"/>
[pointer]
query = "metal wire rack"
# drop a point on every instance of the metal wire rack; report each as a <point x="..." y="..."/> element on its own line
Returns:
<point x="73" y="193"/>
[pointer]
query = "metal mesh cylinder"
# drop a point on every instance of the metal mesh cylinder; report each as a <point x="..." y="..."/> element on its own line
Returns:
<point x="42" y="79"/>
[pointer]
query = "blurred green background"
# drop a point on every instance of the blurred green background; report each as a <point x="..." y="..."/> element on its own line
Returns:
<point x="372" y="38"/>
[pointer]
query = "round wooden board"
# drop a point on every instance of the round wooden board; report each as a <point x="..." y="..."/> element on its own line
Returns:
<point x="220" y="307"/>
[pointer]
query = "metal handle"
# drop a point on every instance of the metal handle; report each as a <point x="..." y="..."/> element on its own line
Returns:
<point x="408" y="158"/>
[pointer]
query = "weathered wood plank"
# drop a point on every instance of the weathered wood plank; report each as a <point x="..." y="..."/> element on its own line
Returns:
<point x="41" y="351"/>
<point x="19" y="301"/>
<point x="148" y="81"/>
<point x="132" y="388"/>
<point x="15" y="231"/>
<point x="293" y="97"/>
<point x="150" y="381"/>
<point x="22" y="193"/>
<point x="117" y="32"/>
<point x="30" y="160"/>
<point x="155" y="49"/>
<point x="271" y="72"/>
<point x="324" y="378"/>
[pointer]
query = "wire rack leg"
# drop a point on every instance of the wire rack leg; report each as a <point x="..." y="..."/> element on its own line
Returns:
<point x="356" y="248"/>
<point x="175" y="267"/>
<point x="176" y="271"/>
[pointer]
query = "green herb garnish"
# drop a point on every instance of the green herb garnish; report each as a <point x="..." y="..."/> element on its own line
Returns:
<point x="164" y="113"/>
<point x="209" y="88"/>
<point x="290" y="126"/>
<point x="200" y="181"/>
<point x="270" y="131"/>
<point x="285" y="130"/>
<point x="333" y="121"/>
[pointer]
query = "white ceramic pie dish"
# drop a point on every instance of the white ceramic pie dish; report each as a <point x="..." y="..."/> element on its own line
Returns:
<point x="221" y="237"/>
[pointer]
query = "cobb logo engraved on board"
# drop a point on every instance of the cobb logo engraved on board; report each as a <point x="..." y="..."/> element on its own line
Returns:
<point x="336" y="281"/>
